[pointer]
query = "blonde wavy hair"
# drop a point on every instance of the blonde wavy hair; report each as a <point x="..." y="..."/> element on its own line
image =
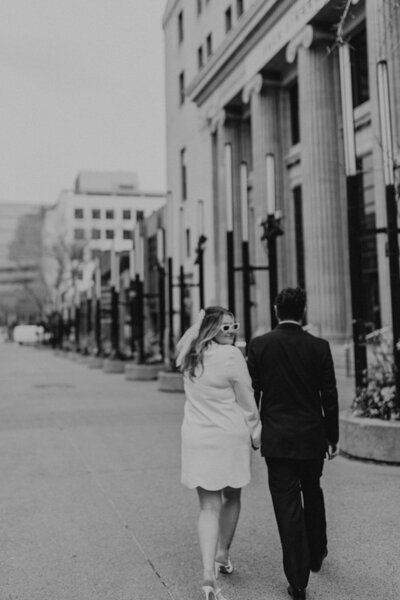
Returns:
<point x="209" y="328"/>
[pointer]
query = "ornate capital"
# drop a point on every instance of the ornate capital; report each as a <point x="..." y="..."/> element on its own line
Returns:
<point x="253" y="86"/>
<point x="215" y="117"/>
<point x="305" y="38"/>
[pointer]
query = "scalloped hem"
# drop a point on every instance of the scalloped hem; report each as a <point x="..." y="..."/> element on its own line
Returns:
<point x="205" y="486"/>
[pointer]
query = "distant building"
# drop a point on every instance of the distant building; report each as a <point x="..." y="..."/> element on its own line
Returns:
<point x="261" y="82"/>
<point x="98" y="216"/>
<point x="101" y="212"/>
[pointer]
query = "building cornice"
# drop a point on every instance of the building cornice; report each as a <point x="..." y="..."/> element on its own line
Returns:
<point x="266" y="25"/>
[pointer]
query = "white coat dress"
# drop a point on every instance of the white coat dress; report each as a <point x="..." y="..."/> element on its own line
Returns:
<point x="220" y="421"/>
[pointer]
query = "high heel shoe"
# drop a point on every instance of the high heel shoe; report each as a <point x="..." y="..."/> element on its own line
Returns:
<point x="212" y="593"/>
<point x="225" y="568"/>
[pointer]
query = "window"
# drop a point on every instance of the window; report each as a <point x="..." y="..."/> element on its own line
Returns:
<point x="109" y="234"/>
<point x="188" y="243"/>
<point x="183" y="174"/>
<point x="181" y="88"/>
<point x="127" y="234"/>
<point x="228" y="19"/>
<point x="96" y="234"/>
<point x="139" y="215"/>
<point x="126" y="215"/>
<point x="239" y="8"/>
<point x="209" y="44"/>
<point x="79" y="234"/>
<point x="78" y="213"/>
<point x="359" y="68"/>
<point x="199" y="6"/>
<point x="180" y="27"/>
<point x="200" y="60"/>
<point x="96" y="213"/>
<point x="109" y="214"/>
<point x="294" y="113"/>
<point x="299" y="237"/>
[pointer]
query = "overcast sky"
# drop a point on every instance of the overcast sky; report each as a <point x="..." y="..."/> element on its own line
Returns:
<point x="82" y="87"/>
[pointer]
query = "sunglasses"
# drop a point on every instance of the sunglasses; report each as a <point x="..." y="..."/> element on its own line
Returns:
<point x="229" y="327"/>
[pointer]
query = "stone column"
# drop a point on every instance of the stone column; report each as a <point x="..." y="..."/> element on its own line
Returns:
<point x="323" y="200"/>
<point x="263" y="97"/>
<point x="225" y="130"/>
<point x="219" y="209"/>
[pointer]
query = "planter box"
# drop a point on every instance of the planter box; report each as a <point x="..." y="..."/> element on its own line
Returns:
<point x="113" y="365"/>
<point x="170" y="381"/>
<point x="135" y="372"/>
<point x="370" y="439"/>
<point x="95" y="362"/>
<point x="83" y="358"/>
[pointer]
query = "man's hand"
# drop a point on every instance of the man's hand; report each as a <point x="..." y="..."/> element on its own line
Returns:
<point x="333" y="450"/>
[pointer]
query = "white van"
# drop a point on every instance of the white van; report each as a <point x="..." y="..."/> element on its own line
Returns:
<point x="28" y="334"/>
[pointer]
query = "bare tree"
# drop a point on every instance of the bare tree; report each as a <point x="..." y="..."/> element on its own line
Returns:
<point x="26" y="252"/>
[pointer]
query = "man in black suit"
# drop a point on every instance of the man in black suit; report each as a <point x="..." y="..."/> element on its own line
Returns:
<point x="295" y="389"/>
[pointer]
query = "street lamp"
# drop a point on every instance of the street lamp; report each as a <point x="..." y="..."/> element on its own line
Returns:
<point x="272" y="230"/>
<point x="229" y="228"/>
<point x="77" y="318"/>
<point x="97" y="288"/>
<point x="89" y="312"/>
<point x="115" y="290"/>
<point x="391" y="213"/>
<point x="353" y="217"/>
<point x="161" y="286"/>
<point x="245" y="252"/>
<point x="200" y="250"/>
<point x="132" y="296"/>
<point x="139" y="277"/>
<point x="181" y="269"/>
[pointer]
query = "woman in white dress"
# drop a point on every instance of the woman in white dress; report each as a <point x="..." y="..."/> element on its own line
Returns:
<point x="221" y="423"/>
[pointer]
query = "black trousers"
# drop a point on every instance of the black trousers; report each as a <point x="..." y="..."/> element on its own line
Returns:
<point x="299" y="508"/>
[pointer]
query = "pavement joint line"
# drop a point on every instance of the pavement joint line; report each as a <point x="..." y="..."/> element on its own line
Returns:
<point x="120" y="518"/>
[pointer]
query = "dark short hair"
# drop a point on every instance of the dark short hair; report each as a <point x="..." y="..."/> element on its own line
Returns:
<point x="290" y="303"/>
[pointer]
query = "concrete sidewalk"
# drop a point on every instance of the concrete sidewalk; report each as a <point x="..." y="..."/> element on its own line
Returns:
<point x="92" y="507"/>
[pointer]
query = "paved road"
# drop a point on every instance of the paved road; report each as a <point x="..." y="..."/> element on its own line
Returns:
<point x="92" y="508"/>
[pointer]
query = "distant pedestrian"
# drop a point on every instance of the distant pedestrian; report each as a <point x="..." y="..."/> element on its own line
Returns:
<point x="220" y="425"/>
<point x="294" y="381"/>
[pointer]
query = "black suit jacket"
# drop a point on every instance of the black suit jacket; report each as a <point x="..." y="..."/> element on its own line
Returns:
<point x="295" y="388"/>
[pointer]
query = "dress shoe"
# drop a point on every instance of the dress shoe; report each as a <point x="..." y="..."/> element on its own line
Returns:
<point x="297" y="593"/>
<point x="316" y="565"/>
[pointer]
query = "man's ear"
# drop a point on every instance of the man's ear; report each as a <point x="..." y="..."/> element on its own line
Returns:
<point x="276" y="311"/>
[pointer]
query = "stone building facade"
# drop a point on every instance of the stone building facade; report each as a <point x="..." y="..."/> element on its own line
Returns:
<point x="264" y="78"/>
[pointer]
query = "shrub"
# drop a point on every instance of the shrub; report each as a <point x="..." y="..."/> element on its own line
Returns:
<point x="377" y="400"/>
